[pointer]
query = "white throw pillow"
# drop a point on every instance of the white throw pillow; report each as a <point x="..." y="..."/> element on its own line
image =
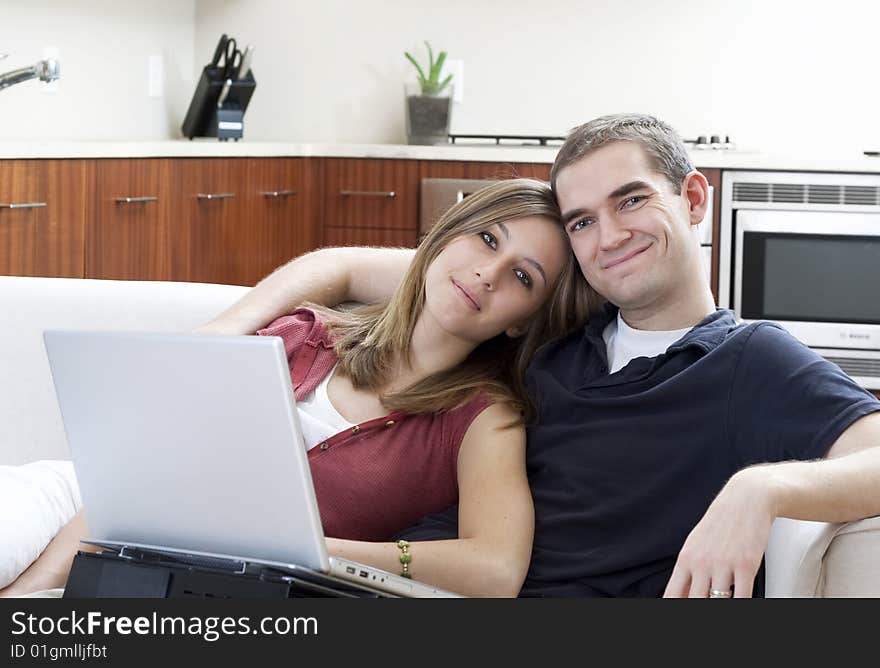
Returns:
<point x="36" y="501"/>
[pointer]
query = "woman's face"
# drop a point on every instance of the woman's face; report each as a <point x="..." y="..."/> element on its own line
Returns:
<point x="486" y="283"/>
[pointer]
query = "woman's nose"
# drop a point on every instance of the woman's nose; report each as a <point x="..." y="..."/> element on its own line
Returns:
<point x="488" y="274"/>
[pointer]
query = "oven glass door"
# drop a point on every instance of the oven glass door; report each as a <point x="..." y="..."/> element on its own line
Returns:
<point x="808" y="266"/>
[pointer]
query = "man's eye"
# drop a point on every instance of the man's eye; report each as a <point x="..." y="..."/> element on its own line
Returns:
<point x="523" y="277"/>
<point x="489" y="238"/>
<point x="632" y="201"/>
<point x="580" y="224"/>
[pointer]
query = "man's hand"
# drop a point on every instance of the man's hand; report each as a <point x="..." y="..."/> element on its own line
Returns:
<point x="724" y="550"/>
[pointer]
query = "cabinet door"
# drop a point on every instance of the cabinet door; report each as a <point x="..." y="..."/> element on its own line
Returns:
<point x="61" y="243"/>
<point x="363" y="236"/>
<point x="41" y="217"/>
<point x="534" y="170"/>
<point x="371" y="193"/>
<point x="279" y="221"/>
<point x="445" y="169"/>
<point x="23" y="198"/>
<point x="210" y="221"/>
<point x="129" y="220"/>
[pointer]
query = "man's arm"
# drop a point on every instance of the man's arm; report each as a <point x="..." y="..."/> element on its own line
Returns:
<point x="727" y="545"/>
<point x="327" y="276"/>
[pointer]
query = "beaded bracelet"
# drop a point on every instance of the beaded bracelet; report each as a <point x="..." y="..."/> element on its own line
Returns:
<point x="405" y="557"/>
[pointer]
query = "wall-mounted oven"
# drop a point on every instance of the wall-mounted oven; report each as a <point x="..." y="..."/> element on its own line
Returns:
<point x="803" y="249"/>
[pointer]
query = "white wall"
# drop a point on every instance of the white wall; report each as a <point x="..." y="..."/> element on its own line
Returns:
<point x="103" y="47"/>
<point x="774" y="74"/>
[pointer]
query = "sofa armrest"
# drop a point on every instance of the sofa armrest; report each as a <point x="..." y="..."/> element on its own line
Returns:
<point x="30" y="423"/>
<point x="820" y="559"/>
<point x="851" y="567"/>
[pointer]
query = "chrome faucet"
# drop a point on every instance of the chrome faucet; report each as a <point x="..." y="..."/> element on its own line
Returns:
<point x="45" y="70"/>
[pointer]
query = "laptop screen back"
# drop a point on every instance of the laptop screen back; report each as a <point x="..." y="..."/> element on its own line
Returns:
<point x="188" y="442"/>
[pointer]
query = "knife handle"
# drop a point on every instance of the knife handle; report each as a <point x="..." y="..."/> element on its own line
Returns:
<point x="221" y="48"/>
<point x="246" y="60"/>
<point x="223" y="93"/>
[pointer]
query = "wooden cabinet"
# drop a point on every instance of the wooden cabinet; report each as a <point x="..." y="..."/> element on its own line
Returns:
<point x="208" y="229"/>
<point x="223" y="220"/>
<point x="370" y="201"/>
<point x="376" y="201"/>
<point x="371" y="193"/>
<point x="282" y="213"/>
<point x="238" y="219"/>
<point x="129" y="220"/>
<point x="442" y="169"/>
<point x="42" y="217"/>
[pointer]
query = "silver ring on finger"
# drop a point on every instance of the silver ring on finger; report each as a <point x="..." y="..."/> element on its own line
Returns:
<point x="720" y="593"/>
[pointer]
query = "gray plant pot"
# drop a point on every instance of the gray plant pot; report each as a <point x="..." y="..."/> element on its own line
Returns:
<point x="428" y="116"/>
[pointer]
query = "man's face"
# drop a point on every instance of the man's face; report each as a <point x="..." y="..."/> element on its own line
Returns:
<point x="630" y="231"/>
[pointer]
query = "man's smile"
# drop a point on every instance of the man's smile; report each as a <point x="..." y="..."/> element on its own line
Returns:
<point x="625" y="258"/>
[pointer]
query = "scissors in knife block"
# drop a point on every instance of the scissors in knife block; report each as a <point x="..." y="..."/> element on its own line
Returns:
<point x="231" y="60"/>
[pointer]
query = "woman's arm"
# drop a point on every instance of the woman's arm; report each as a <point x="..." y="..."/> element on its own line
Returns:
<point x="327" y="276"/>
<point x="496" y="518"/>
<point x="51" y="568"/>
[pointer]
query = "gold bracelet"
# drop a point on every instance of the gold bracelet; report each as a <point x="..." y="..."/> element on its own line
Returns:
<point x="405" y="557"/>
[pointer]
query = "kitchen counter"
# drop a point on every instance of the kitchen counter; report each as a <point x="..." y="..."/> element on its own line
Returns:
<point x="210" y="148"/>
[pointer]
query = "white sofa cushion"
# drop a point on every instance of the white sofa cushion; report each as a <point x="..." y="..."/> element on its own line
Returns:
<point x="30" y="423"/>
<point x="36" y="500"/>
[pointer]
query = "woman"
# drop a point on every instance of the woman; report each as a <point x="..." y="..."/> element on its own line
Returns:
<point x="442" y="364"/>
<point x="411" y="405"/>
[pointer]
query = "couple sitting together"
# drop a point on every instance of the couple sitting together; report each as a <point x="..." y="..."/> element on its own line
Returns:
<point x="543" y="400"/>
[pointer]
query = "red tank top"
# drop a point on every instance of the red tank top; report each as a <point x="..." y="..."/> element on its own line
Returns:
<point x="382" y="475"/>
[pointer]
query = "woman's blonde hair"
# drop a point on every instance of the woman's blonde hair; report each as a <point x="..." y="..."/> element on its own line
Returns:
<point x="369" y="338"/>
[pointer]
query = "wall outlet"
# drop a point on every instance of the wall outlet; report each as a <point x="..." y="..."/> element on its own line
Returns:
<point x="155" y="76"/>
<point x="456" y="69"/>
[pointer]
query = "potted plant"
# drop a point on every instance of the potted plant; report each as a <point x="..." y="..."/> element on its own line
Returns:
<point x="428" y="102"/>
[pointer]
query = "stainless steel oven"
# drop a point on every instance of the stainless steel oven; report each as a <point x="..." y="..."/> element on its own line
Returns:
<point x="803" y="249"/>
<point x="437" y="195"/>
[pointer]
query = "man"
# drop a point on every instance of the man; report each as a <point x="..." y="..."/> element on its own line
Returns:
<point x="669" y="437"/>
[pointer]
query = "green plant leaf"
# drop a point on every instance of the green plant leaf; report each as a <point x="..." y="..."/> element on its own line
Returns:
<point x="430" y="57"/>
<point x="445" y="83"/>
<point x="438" y="67"/>
<point x="422" y="78"/>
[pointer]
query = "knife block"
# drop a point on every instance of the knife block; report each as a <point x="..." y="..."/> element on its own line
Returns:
<point x="205" y="118"/>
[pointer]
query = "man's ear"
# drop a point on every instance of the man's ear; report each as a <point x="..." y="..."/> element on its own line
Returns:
<point x="695" y="190"/>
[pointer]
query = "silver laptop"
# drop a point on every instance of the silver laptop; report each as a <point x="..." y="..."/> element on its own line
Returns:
<point x="190" y="444"/>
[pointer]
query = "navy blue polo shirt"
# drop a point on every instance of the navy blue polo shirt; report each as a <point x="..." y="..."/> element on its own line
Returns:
<point x="623" y="466"/>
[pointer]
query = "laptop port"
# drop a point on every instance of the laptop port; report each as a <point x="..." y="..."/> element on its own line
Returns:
<point x="364" y="574"/>
<point x="350" y="570"/>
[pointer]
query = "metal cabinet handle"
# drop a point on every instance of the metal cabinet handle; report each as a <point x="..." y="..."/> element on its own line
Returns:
<point x="215" y="195"/>
<point x="22" y="205"/>
<point x="367" y="193"/>
<point x="278" y="193"/>
<point x="133" y="200"/>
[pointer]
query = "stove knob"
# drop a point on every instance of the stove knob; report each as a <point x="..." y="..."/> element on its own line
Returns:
<point x="701" y="142"/>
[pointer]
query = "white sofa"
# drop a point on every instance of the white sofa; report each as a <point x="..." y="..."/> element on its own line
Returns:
<point x="803" y="558"/>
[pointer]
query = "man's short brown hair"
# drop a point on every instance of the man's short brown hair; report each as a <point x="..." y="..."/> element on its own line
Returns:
<point x="658" y="140"/>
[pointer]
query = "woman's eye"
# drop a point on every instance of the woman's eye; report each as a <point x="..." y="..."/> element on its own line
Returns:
<point x="524" y="278"/>
<point x="489" y="238"/>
